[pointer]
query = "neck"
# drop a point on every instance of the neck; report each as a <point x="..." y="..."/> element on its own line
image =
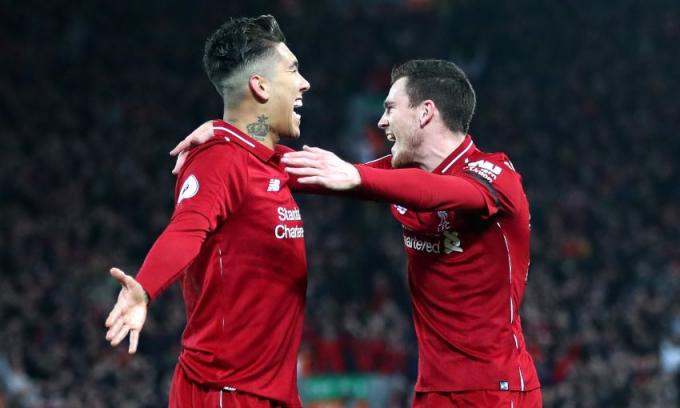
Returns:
<point x="253" y="123"/>
<point x="440" y="146"/>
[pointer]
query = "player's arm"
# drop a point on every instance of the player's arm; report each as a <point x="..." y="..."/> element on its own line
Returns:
<point x="210" y="189"/>
<point x="412" y="188"/>
<point x="197" y="137"/>
<point x="421" y="191"/>
<point x="173" y="251"/>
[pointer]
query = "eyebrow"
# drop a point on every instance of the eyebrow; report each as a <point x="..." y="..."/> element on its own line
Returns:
<point x="388" y="104"/>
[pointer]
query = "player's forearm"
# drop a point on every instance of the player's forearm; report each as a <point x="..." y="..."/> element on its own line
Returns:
<point x="174" y="250"/>
<point x="419" y="190"/>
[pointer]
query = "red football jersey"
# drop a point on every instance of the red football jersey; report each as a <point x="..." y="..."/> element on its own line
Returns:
<point x="467" y="269"/>
<point x="236" y="241"/>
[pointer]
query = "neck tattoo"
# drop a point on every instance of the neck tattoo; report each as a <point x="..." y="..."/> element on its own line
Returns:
<point x="259" y="129"/>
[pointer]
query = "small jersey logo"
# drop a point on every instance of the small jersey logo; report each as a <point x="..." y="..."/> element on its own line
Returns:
<point x="444" y="223"/>
<point x="452" y="242"/>
<point x="504" y="386"/>
<point x="487" y="170"/>
<point x="400" y="209"/>
<point x="274" y="185"/>
<point x="189" y="189"/>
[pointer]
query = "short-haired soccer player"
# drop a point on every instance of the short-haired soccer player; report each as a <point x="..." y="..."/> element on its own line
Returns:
<point x="235" y="240"/>
<point x="466" y="231"/>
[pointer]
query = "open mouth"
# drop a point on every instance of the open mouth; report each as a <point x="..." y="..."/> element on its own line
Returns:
<point x="296" y="106"/>
<point x="390" y="137"/>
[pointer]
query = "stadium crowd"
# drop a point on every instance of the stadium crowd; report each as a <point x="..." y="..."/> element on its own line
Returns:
<point x="582" y="96"/>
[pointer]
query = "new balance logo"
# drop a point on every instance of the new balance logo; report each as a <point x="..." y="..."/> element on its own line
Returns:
<point x="274" y="185"/>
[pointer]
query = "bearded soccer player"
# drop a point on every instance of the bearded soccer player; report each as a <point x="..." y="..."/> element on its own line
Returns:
<point x="235" y="240"/>
<point x="465" y="222"/>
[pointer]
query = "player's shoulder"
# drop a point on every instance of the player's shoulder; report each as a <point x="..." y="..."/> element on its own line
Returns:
<point x="216" y="150"/>
<point x="493" y="167"/>
<point x="496" y="162"/>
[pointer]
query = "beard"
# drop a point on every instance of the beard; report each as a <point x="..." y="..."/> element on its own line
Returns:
<point x="404" y="150"/>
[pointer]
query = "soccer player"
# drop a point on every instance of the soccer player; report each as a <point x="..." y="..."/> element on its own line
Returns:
<point x="235" y="240"/>
<point x="465" y="222"/>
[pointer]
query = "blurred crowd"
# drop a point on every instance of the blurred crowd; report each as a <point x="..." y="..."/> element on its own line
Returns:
<point x="581" y="95"/>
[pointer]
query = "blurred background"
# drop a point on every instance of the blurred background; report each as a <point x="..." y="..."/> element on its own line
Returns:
<point x="583" y="96"/>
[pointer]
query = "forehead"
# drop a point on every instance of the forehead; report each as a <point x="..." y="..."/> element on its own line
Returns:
<point x="397" y="92"/>
<point x="286" y="54"/>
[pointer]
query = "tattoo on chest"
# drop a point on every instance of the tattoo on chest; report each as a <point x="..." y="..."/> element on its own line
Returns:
<point x="259" y="129"/>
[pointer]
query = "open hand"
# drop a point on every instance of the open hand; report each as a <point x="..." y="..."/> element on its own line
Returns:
<point x="129" y="313"/>
<point x="199" y="136"/>
<point x="318" y="166"/>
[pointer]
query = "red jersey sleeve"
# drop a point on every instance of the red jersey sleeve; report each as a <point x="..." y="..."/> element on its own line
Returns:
<point x="210" y="187"/>
<point x="419" y="190"/>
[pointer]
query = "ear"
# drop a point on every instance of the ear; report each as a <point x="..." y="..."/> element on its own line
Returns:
<point x="259" y="87"/>
<point x="426" y="112"/>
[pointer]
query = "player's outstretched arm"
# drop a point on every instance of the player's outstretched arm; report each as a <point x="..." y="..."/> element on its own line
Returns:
<point x="413" y="188"/>
<point x="129" y="313"/>
<point x="317" y="166"/>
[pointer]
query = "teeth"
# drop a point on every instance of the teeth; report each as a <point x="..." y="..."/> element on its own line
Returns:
<point x="298" y="103"/>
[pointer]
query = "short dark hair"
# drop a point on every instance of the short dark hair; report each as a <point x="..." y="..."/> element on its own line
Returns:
<point x="445" y="84"/>
<point x="236" y="44"/>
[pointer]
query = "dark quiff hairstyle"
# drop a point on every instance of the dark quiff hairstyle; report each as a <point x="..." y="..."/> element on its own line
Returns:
<point x="445" y="84"/>
<point x="237" y="44"/>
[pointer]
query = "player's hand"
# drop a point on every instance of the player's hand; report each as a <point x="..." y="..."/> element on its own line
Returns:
<point x="199" y="136"/>
<point x="318" y="166"/>
<point x="129" y="313"/>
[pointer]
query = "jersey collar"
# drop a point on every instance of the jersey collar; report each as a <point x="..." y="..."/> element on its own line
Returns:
<point x="457" y="156"/>
<point x="233" y="134"/>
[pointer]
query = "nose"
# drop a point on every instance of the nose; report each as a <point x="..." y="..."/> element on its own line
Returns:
<point x="304" y="87"/>
<point x="382" y="123"/>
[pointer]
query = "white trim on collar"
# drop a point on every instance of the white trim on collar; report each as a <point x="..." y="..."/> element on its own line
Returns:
<point x="445" y="169"/>
<point x="236" y="135"/>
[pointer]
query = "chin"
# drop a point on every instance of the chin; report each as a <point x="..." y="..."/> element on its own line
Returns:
<point x="396" y="162"/>
<point x="399" y="159"/>
<point x="293" y="133"/>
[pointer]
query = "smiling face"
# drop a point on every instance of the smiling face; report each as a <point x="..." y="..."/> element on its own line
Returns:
<point x="400" y="123"/>
<point x="287" y="87"/>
